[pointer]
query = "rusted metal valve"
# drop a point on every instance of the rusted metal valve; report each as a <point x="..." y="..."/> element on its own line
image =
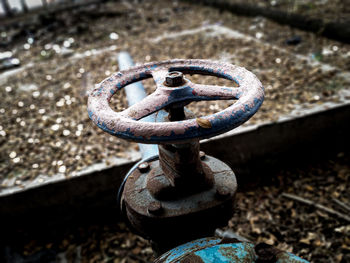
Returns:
<point x="126" y="124"/>
<point x="184" y="195"/>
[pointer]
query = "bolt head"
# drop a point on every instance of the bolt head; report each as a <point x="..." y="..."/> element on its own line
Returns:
<point x="174" y="79"/>
<point x="143" y="167"/>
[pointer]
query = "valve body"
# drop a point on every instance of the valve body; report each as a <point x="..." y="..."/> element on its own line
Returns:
<point x="180" y="197"/>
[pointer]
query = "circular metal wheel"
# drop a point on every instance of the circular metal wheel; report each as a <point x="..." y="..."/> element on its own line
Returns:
<point x="171" y="91"/>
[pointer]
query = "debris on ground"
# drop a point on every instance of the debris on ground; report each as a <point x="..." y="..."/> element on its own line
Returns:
<point x="262" y="214"/>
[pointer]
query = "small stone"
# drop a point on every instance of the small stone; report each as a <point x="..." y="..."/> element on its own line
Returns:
<point x="62" y="169"/>
<point x="113" y="36"/>
<point x="36" y="94"/>
<point x="55" y="127"/>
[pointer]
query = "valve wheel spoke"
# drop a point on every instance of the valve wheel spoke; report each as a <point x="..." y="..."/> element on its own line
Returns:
<point x="173" y="88"/>
<point x="213" y="92"/>
<point x="150" y="104"/>
<point x="159" y="76"/>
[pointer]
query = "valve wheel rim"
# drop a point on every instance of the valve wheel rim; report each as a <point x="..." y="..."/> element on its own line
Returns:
<point x="127" y="125"/>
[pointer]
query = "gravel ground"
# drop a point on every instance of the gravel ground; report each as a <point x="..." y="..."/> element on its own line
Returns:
<point x="262" y="215"/>
<point x="44" y="127"/>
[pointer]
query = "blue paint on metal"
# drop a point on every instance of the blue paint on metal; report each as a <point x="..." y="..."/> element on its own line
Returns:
<point x="220" y="124"/>
<point x="196" y="69"/>
<point x="223" y="253"/>
<point x="135" y="92"/>
<point x="187" y="93"/>
<point x="180" y="251"/>
<point x="211" y="250"/>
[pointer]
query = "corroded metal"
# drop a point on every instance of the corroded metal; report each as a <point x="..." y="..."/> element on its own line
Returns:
<point x="174" y="79"/>
<point x="226" y="250"/>
<point x="184" y="195"/>
<point x="158" y="207"/>
<point x="183" y="171"/>
<point x="126" y="124"/>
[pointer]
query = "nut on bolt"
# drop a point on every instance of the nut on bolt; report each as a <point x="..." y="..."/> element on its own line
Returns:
<point x="143" y="167"/>
<point x="174" y="79"/>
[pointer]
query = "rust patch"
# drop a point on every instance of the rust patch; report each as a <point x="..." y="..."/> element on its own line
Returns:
<point x="266" y="253"/>
<point x="204" y="123"/>
<point x="192" y="258"/>
<point x="124" y="124"/>
<point x="230" y="253"/>
<point x="226" y="240"/>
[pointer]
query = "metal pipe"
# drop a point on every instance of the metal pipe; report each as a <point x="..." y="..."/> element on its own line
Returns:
<point x="135" y="92"/>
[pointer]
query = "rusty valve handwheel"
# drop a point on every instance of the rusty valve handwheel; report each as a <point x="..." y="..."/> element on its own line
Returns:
<point x="172" y="89"/>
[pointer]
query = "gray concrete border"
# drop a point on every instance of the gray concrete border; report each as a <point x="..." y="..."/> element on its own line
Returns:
<point x="332" y="29"/>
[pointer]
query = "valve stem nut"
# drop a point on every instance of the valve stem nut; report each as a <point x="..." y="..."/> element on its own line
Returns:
<point x="143" y="167"/>
<point x="174" y="79"/>
<point x="154" y="208"/>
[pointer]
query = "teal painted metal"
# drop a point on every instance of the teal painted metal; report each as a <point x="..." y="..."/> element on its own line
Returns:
<point x="209" y="250"/>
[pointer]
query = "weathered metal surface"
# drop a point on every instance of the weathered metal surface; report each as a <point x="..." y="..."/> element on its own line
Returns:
<point x="182" y="171"/>
<point x="174" y="79"/>
<point x="178" y="210"/>
<point x="138" y="196"/>
<point x="126" y="124"/>
<point x="209" y="250"/>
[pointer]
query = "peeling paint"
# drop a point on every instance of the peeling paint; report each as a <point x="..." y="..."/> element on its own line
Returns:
<point x="126" y="124"/>
<point x="212" y="249"/>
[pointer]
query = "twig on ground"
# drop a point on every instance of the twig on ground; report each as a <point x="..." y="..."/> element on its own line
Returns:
<point x="341" y="204"/>
<point x="318" y="206"/>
